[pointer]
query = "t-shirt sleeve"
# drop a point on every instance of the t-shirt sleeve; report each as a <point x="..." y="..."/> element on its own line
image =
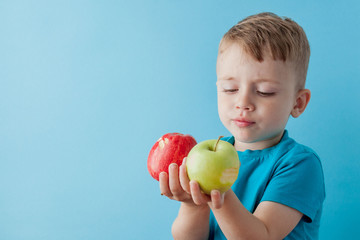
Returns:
<point x="298" y="182"/>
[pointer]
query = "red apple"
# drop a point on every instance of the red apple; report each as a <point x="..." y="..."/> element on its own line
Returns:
<point x="170" y="148"/>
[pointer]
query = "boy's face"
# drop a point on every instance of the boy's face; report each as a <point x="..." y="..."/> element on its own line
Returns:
<point x="255" y="99"/>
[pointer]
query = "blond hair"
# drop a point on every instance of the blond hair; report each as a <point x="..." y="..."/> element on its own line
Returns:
<point x="283" y="38"/>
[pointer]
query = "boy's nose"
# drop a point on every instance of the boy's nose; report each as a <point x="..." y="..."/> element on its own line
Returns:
<point x="248" y="107"/>
<point x="244" y="103"/>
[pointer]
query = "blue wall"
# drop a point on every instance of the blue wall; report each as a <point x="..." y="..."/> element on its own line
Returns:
<point x="87" y="87"/>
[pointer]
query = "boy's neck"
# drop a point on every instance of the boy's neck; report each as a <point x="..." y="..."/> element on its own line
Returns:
<point x="260" y="145"/>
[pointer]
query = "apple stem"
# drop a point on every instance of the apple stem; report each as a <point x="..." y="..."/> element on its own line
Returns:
<point x="217" y="143"/>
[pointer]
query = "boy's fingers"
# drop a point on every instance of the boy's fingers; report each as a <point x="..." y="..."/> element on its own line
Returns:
<point x="197" y="195"/>
<point x="174" y="182"/>
<point x="184" y="179"/>
<point x="164" y="184"/>
<point x="217" y="199"/>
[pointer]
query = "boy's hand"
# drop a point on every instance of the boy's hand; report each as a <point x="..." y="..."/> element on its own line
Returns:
<point x="177" y="186"/>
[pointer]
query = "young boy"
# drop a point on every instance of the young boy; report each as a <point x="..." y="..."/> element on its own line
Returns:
<point x="261" y="71"/>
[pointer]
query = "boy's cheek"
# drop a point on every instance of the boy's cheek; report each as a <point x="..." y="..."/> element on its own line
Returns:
<point x="224" y="108"/>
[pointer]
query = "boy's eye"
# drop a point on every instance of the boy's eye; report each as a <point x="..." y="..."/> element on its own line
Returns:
<point x="265" y="94"/>
<point x="230" y="90"/>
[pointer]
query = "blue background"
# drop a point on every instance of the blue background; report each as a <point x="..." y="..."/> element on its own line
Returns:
<point x="87" y="87"/>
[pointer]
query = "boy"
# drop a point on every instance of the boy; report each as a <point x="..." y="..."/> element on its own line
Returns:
<point x="261" y="70"/>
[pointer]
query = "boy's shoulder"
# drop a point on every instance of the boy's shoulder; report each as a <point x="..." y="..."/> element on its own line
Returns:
<point x="289" y="146"/>
<point x="293" y="155"/>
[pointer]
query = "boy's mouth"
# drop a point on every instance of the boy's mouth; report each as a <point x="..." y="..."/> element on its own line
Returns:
<point x="243" y="122"/>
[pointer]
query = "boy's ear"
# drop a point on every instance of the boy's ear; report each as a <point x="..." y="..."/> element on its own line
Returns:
<point x="302" y="99"/>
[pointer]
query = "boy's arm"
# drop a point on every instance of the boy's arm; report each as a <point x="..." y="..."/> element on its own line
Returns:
<point x="270" y="220"/>
<point x="192" y="222"/>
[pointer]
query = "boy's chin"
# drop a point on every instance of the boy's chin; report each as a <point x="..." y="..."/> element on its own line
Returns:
<point x="244" y="135"/>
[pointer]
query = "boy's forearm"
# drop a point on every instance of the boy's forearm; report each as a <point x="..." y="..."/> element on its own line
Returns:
<point x="236" y="222"/>
<point x="192" y="222"/>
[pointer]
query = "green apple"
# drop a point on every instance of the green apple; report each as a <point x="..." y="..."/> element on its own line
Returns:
<point x="214" y="164"/>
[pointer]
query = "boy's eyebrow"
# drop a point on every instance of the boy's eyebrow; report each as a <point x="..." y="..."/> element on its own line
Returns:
<point x="225" y="79"/>
<point x="260" y="80"/>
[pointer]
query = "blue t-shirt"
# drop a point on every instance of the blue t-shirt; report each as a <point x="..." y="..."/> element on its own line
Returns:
<point x="288" y="173"/>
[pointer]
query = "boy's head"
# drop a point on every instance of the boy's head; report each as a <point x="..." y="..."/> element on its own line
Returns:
<point x="261" y="70"/>
<point x="282" y="38"/>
